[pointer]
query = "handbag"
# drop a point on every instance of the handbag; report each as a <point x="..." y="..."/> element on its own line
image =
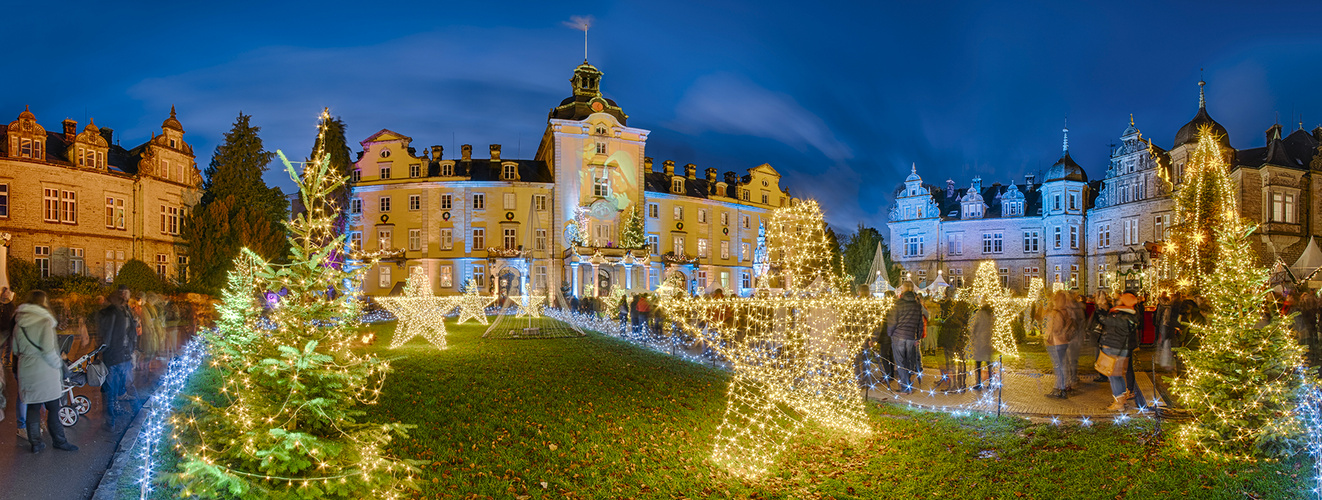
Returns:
<point x="97" y="373"/>
<point x="1111" y="365"/>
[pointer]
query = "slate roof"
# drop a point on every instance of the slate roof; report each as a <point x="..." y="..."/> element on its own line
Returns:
<point x="1189" y="132"/>
<point x="659" y="182"/>
<point x="991" y="196"/>
<point x="120" y="160"/>
<point x="481" y="169"/>
<point x="1294" y="151"/>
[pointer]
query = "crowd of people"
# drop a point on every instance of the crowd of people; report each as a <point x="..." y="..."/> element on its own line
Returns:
<point x="40" y="335"/>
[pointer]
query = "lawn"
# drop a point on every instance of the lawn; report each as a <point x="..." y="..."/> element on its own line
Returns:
<point x="596" y="417"/>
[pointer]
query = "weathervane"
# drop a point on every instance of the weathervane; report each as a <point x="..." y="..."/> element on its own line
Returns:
<point x="581" y="23"/>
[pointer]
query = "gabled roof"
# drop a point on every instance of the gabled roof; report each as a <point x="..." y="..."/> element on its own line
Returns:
<point x="1295" y="151"/>
<point x="991" y="196"/>
<point x="487" y="170"/>
<point x="386" y="135"/>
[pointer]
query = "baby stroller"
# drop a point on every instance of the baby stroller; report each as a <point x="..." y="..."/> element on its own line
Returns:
<point x="75" y="375"/>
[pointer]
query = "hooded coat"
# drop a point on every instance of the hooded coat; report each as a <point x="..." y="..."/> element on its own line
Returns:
<point x="40" y="369"/>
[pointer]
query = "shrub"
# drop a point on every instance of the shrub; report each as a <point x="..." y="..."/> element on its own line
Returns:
<point x="23" y="277"/>
<point x="139" y="277"/>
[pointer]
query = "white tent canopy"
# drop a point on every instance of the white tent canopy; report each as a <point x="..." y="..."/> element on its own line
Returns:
<point x="1309" y="262"/>
<point x="936" y="286"/>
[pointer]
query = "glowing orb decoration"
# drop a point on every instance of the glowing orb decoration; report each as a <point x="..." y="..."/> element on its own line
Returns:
<point x="529" y="305"/>
<point x="420" y="312"/>
<point x="987" y="286"/>
<point x="473" y="305"/>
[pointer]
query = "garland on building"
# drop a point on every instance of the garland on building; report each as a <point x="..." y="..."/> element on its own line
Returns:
<point x="287" y="421"/>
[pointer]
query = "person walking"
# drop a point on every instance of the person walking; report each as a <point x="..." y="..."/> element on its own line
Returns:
<point x="7" y="310"/>
<point x="1120" y="339"/>
<point x="41" y="371"/>
<point x="980" y="335"/>
<point x="1101" y="306"/>
<point x="119" y="332"/>
<point x="906" y="331"/>
<point x="1057" y="334"/>
<point x="1075" y="348"/>
<point x="952" y="339"/>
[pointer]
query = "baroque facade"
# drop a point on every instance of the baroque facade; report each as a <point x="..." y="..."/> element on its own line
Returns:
<point x="79" y="203"/>
<point x="1101" y="234"/>
<point x="558" y="220"/>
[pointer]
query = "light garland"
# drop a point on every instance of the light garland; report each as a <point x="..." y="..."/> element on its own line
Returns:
<point x="419" y="312"/>
<point x="472" y="304"/>
<point x="160" y="407"/>
<point x="1310" y="415"/>
<point x="530" y="306"/>
<point x="987" y="286"/>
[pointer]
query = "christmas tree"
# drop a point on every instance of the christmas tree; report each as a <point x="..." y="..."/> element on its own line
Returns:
<point x="287" y="421"/>
<point x="1240" y="381"/>
<point x="1205" y="201"/>
<point x="631" y="236"/>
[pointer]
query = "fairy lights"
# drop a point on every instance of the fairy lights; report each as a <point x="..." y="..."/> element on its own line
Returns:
<point x="159" y="409"/>
<point x="987" y="286"/>
<point x="419" y="311"/>
<point x="530" y="306"/>
<point x="472" y="304"/>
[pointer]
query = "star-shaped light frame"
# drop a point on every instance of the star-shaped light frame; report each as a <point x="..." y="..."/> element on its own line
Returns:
<point x="473" y="305"/>
<point x="418" y="312"/>
<point x="1005" y="306"/>
<point x="529" y="305"/>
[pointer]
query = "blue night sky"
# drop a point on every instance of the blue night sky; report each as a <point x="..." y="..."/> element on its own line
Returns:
<point x="841" y="99"/>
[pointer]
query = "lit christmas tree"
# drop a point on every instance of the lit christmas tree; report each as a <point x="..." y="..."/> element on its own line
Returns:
<point x="287" y="422"/>
<point x="1204" y="202"/>
<point x="632" y="235"/>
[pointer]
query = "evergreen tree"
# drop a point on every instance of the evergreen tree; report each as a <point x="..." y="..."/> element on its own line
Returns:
<point x="1241" y="379"/>
<point x="341" y="161"/>
<point x="632" y="234"/>
<point x="860" y="248"/>
<point x="833" y="246"/>
<point x="1204" y="202"/>
<point x="288" y="421"/>
<point x="237" y="209"/>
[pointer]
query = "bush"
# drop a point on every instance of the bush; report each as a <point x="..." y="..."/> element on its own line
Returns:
<point x="23" y="278"/>
<point x="139" y="277"/>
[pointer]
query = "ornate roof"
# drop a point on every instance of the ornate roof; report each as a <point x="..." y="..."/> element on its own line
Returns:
<point x="1189" y="132"/>
<point x="1066" y="168"/>
<point x="172" y="122"/>
<point x="587" y="98"/>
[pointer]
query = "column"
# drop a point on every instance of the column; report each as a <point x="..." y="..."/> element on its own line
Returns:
<point x="576" y="273"/>
<point x="628" y="277"/>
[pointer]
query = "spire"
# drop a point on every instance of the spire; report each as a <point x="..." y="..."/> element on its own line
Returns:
<point x="171" y="111"/>
<point x="1202" y="99"/>
<point x="1065" y="145"/>
<point x="913" y="168"/>
<point x="1131" y="119"/>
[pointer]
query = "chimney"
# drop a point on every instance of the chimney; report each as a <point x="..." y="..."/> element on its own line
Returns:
<point x="436" y="152"/>
<point x="108" y="133"/>
<point x="669" y="166"/>
<point x="977" y="184"/>
<point x="691" y="171"/>
<point x="950" y="188"/>
<point x="495" y="152"/>
<point x="466" y="152"/>
<point x="1029" y="179"/>
<point x="711" y="174"/>
<point x="70" y="130"/>
<point x="647" y="164"/>
<point x="731" y="178"/>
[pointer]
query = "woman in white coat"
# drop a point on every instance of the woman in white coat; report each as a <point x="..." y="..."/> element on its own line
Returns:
<point x="40" y="370"/>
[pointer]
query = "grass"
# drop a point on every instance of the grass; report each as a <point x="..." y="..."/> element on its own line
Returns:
<point x="595" y="417"/>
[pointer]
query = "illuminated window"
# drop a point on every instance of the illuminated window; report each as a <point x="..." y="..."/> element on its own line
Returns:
<point x="415" y="239"/>
<point x="447" y="238"/>
<point x="385" y="238"/>
<point x="677" y="185"/>
<point x="679" y="212"/>
<point x="415" y="202"/>
<point x="447" y="201"/>
<point x="383" y="276"/>
<point x="509" y="201"/>
<point x="539" y="239"/>
<point x="744" y="254"/>
<point x="725" y="249"/>
<point x="447" y="276"/>
<point x="479" y="238"/>
<point x="702" y="216"/>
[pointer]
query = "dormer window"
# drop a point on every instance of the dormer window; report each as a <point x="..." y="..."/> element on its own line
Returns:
<point x="447" y="170"/>
<point x="174" y="144"/>
<point x="601" y="130"/>
<point x="508" y="172"/>
<point x="677" y="187"/>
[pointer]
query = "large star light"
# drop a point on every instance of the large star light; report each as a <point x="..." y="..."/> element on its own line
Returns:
<point x="418" y="312"/>
<point x="987" y="286"/>
<point x="473" y="305"/>
<point x="529" y="305"/>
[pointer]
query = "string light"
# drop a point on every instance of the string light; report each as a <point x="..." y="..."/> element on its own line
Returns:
<point x="986" y="287"/>
<point x="472" y="304"/>
<point x="419" y="311"/>
<point x="530" y="306"/>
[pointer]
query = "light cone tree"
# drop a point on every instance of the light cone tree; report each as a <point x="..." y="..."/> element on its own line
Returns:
<point x="288" y="421"/>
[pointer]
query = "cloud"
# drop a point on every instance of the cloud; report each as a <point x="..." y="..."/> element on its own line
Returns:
<point x="731" y="104"/>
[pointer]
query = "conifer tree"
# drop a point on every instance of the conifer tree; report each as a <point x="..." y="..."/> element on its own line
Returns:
<point x="859" y="250"/>
<point x="288" y="421"/>
<point x="341" y="161"/>
<point x="632" y="235"/>
<point x="1204" y="202"/>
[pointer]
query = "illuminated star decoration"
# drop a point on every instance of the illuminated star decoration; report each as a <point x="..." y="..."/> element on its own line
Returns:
<point x="792" y="355"/>
<point x="419" y="312"/>
<point x="529" y="305"/>
<point x="987" y="285"/>
<point x="473" y="305"/>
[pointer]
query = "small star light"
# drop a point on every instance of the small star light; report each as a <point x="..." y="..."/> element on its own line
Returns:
<point x="419" y="312"/>
<point x="987" y="285"/>
<point x="529" y="305"/>
<point x="472" y="304"/>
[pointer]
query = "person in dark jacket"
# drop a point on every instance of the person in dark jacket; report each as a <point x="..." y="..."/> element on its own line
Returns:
<point x="905" y="329"/>
<point x="1120" y="339"/>
<point x="7" y="309"/>
<point x="573" y="304"/>
<point x="952" y="339"/>
<point x="118" y="327"/>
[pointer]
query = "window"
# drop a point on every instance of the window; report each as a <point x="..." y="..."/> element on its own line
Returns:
<point x="539" y="202"/>
<point x="356" y="240"/>
<point x="356" y="206"/>
<point x="971" y="211"/>
<point x="509" y="201"/>
<point x="479" y="201"/>
<point x="539" y="278"/>
<point x="654" y="244"/>
<point x="447" y="238"/>
<point x="447" y="276"/>
<point x="479" y="274"/>
<point x="415" y="170"/>
<point x="415" y="239"/>
<point x="653" y="210"/>
<point x="764" y="198"/>
<point x="114" y="261"/>
<point x="447" y="169"/>
<point x="1131" y="232"/>
<point x="725" y="249"/>
<point x="4" y="200"/>
<point x="993" y="243"/>
<point x="25" y="148"/>
<point x="653" y="278"/>
<point x="679" y="212"/>
<point x="743" y="221"/>
<point x="702" y="279"/>
<point x="181" y="268"/>
<point x="1056" y="276"/>
<point x="1124" y="194"/>
<point x="114" y="212"/>
<point x="702" y="247"/>
<point x="1282" y="209"/>
<point x="677" y="185"/>
<point x="954" y="244"/>
<point x="539" y="239"/>
<point x="385" y="238"/>
<point x="385" y="203"/>
<point x="447" y="201"/>
<point x="510" y="241"/>
<point x="601" y="148"/>
<point x="744" y="254"/>
<point x="677" y="242"/>
<point x="745" y="279"/>
<point x="385" y="170"/>
<point x="600" y="130"/>
<point x="161" y="260"/>
<point x="42" y="254"/>
<point x="1074" y="275"/>
<point x="76" y="265"/>
<point x="1031" y="239"/>
<point x="1162" y="230"/>
<point x="1104" y="235"/>
<point x="702" y="216"/>
<point x="509" y="172"/>
<point x="165" y="169"/>
<point x="1005" y="277"/>
<point x="415" y="202"/>
<point x="356" y="175"/>
<point x="959" y="277"/>
<point x="479" y="238"/>
<point x="1074" y="201"/>
<point x="169" y="220"/>
<point x="744" y="195"/>
<point x="51" y="200"/>
<point x="1057" y="231"/>
<point x="913" y="246"/>
<point x="383" y="276"/>
<point x="1074" y="236"/>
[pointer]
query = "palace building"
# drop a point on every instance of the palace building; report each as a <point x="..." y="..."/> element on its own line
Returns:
<point x="1100" y="234"/>
<point x="560" y="220"/>
<point x="79" y="203"/>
